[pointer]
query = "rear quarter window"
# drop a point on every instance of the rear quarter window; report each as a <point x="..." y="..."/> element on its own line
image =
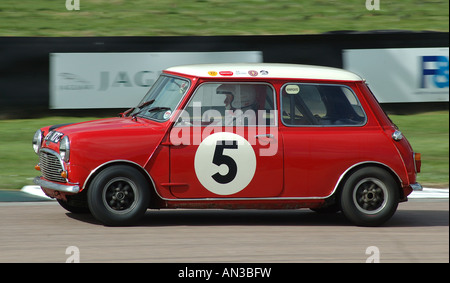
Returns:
<point x="320" y="105"/>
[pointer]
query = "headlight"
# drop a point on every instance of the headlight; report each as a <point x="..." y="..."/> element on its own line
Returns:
<point x="64" y="149"/>
<point x="37" y="141"/>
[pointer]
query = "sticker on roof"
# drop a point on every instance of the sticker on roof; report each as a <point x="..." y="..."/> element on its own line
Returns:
<point x="253" y="73"/>
<point x="226" y="73"/>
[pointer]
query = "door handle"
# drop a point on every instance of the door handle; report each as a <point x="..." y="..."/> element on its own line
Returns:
<point x="270" y="136"/>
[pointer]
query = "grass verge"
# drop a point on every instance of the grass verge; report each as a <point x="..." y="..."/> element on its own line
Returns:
<point x="215" y="17"/>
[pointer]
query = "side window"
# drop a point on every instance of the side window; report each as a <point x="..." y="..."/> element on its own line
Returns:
<point x="230" y="104"/>
<point x="321" y="105"/>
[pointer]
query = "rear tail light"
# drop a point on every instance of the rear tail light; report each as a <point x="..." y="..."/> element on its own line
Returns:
<point x="417" y="161"/>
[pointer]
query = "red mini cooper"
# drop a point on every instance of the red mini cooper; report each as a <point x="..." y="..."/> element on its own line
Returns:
<point x="232" y="136"/>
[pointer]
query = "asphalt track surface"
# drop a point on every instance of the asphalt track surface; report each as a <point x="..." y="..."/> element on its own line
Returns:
<point x="45" y="232"/>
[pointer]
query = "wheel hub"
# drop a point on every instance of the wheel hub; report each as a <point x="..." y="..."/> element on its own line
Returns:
<point x="370" y="195"/>
<point x="119" y="195"/>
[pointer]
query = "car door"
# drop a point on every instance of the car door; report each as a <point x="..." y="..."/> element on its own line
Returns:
<point x="325" y="131"/>
<point x="225" y="144"/>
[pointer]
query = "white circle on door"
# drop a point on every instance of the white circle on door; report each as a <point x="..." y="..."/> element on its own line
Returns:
<point x="225" y="163"/>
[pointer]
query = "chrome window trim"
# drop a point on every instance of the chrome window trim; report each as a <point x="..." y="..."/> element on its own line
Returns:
<point x="321" y="126"/>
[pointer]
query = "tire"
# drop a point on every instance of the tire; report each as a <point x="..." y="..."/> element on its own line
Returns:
<point x="118" y="196"/>
<point x="369" y="197"/>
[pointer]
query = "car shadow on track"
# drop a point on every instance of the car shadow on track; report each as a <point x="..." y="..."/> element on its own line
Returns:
<point x="242" y="217"/>
<point x="304" y="217"/>
<point x="419" y="218"/>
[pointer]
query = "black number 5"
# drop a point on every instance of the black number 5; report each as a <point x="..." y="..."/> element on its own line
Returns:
<point x="219" y="159"/>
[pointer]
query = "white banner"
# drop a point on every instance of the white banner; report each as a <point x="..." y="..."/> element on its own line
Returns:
<point x="120" y="80"/>
<point x="403" y="74"/>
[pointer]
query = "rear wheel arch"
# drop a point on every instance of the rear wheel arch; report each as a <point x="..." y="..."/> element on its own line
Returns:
<point x="360" y="166"/>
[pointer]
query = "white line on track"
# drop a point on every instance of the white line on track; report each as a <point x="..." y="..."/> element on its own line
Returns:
<point x="35" y="191"/>
<point x="430" y="193"/>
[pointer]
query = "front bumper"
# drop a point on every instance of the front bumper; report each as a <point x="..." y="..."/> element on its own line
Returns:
<point x="74" y="188"/>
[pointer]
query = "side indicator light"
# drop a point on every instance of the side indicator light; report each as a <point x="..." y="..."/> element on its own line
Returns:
<point x="37" y="167"/>
<point x="397" y="135"/>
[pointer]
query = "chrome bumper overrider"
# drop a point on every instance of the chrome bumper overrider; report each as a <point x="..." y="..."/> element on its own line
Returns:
<point x="57" y="187"/>
<point x="416" y="187"/>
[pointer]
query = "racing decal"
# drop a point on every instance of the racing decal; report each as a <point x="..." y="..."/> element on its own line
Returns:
<point x="167" y="114"/>
<point x="54" y="127"/>
<point x="225" y="163"/>
<point x="212" y="73"/>
<point x="226" y="73"/>
<point x="253" y="73"/>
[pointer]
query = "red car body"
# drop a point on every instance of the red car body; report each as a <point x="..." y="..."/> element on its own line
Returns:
<point x="300" y="157"/>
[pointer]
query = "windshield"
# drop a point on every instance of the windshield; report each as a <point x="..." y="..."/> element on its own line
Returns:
<point x="162" y="99"/>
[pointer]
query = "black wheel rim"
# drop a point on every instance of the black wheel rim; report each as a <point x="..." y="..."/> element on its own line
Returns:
<point x="120" y="195"/>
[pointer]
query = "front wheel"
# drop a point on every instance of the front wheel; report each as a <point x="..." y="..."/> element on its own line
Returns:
<point x="369" y="197"/>
<point x="118" y="196"/>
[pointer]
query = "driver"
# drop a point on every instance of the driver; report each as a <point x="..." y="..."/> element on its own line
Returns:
<point x="240" y="103"/>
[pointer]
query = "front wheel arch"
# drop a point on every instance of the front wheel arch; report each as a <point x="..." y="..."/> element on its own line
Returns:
<point x="96" y="171"/>
<point x="103" y="166"/>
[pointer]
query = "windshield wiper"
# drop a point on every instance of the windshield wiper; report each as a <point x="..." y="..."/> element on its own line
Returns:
<point x="158" y="108"/>
<point x="142" y="105"/>
<point x="146" y="103"/>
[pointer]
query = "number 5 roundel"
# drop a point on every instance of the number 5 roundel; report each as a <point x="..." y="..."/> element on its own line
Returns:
<point x="225" y="163"/>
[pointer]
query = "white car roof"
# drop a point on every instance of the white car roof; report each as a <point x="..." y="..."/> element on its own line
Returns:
<point x="268" y="70"/>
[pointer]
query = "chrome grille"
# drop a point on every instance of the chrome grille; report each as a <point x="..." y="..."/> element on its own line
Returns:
<point x="51" y="166"/>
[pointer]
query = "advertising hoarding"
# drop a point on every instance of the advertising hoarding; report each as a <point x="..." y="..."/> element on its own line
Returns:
<point x="402" y="74"/>
<point x="120" y="80"/>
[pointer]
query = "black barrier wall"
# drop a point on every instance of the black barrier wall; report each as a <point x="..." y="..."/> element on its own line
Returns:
<point x="24" y="62"/>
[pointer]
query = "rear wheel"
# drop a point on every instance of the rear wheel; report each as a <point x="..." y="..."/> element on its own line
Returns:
<point x="370" y="196"/>
<point x="118" y="195"/>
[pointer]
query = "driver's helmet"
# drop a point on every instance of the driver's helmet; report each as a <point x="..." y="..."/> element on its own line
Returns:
<point x="243" y="96"/>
